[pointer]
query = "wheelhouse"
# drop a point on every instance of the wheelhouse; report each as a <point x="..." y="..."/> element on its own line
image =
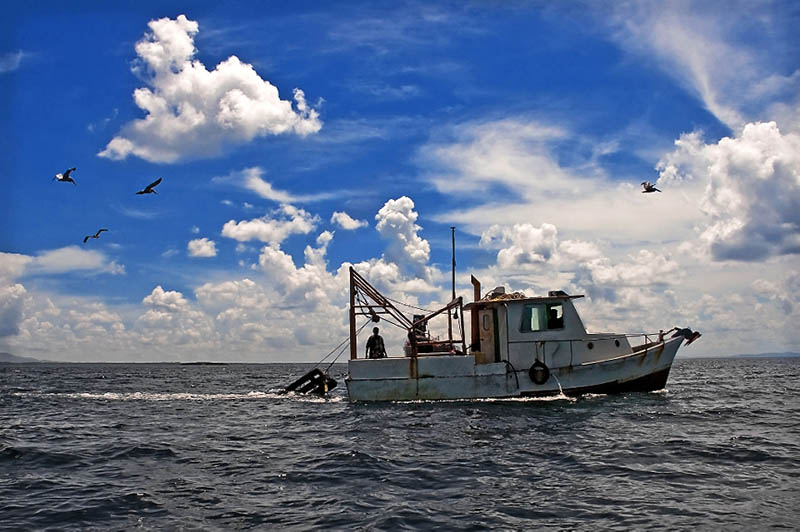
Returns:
<point x="520" y="330"/>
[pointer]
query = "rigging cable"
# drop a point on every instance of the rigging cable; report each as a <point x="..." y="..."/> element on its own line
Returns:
<point x="346" y="340"/>
<point x="343" y="348"/>
<point x="390" y="322"/>
<point x="408" y="305"/>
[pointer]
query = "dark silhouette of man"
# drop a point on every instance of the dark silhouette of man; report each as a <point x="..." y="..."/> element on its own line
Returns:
<point x="375" y="347"/>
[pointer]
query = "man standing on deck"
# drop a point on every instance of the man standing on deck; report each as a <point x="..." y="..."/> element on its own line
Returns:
<point x="375" y="347"/>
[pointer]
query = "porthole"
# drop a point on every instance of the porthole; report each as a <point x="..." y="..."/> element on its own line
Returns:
<point x="590" y="345"/>
<point x="616" y="343"/>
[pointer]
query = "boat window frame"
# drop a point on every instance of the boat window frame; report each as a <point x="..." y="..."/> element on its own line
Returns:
<point x="543" y="307"/>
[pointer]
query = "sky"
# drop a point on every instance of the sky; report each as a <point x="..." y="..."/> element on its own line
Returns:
<point x="297" y="139"/>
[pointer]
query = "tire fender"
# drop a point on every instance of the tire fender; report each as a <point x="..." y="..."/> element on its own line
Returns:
<point x="539" y="372"/>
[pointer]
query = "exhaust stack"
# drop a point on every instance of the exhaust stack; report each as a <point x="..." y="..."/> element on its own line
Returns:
<point x="475" y="341"/>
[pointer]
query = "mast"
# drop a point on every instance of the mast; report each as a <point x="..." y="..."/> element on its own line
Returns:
<point x="453" y="237"/>
<point x="453" y="268"/>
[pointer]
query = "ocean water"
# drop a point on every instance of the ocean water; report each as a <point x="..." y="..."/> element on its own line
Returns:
<point x="165" y="446"/>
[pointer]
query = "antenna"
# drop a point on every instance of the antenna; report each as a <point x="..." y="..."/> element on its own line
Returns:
<point x="453" y="237"/>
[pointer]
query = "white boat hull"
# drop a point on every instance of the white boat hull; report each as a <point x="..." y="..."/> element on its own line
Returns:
<point x="448" y="377"/>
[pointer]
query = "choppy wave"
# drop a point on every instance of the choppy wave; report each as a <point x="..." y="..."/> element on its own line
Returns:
<point x="167" y="447"/>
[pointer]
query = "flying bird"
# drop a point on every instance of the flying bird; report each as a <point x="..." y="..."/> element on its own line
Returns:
<point x="150" y="189"/>
<point x="65" y="176"/>
<point x="96" y="235"/>
<point x="647" y="186"/>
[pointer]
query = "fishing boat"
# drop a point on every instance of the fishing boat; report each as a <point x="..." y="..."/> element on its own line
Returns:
<point x="519" y="346"/>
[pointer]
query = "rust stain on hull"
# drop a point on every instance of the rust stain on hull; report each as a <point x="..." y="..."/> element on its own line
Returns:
<point x="413" y="368"/>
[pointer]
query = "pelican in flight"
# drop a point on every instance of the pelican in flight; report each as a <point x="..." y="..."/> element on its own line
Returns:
<point x="647" y="186"/>
<point x="150" y="189"/>
<point x="96" y="235"/>
<point x="65" y="176"/>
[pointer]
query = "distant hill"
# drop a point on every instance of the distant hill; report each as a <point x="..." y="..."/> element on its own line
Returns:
<point x="8" y="357"/>
<point x="787" y="354"/>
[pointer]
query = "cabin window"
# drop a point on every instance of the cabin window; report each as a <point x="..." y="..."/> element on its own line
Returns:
<point x="555" y="316"/>
<point x="540" y="317"/>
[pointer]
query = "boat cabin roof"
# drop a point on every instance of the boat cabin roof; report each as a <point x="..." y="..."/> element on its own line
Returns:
<point x="482" y="303"/>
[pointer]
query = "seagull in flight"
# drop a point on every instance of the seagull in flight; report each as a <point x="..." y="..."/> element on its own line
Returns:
<point x="647" y="186"/>
<point x="150" y="189"/>
<point x="96" y="235"/>
<point x="65" y="176"/>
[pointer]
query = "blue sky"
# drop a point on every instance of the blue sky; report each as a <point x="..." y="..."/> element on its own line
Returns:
<point x="294" y="140"/>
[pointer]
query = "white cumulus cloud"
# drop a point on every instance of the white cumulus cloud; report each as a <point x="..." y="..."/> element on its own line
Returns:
<point x="193" y="112"/>
<point x="346" y="222"/>
<point x="750" y="187"/>
<point x="171" y="321"/>
<point x="274" y="228"/>
<point x="397" y="224"/>
<point x="74" y="258"/>
<point x="12" y="266"/>
<point x="57" y="261"/>
<point x="202" y="247"/>
<point x="527" y="244"/>
<point x="166" y="300"/>
<point x="545" y="262"/>
<point x="12" y="300"/>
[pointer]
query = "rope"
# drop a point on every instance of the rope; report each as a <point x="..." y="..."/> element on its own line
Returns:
<point x="346" y="340"/>
<point x="332" y="351"/>
<point x="514" y="370"/>
<point x="334" y="360"/>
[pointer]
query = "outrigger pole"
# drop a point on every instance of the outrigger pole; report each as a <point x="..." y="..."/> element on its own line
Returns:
<point x="384" y="307"/>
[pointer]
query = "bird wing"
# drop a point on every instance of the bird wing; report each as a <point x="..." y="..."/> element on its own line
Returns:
<point x="69" y="171"/>
<point x="97" y="234"/>
<point x="85" y="239"/>
<point x="153" y="184"/>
